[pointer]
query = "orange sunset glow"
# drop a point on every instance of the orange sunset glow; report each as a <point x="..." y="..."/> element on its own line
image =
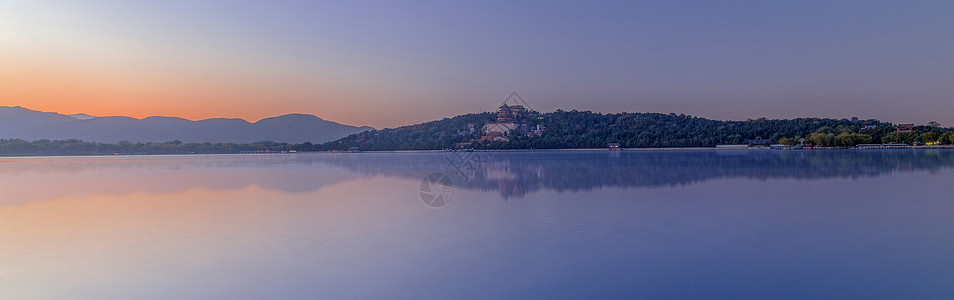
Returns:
<point x="64" y="59"/>
<point x="256" y="60"/>
<point x="65" y="87"/>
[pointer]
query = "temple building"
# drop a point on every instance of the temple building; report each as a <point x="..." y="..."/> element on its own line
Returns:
<point x="499" y="128"/>
<point x="506" y="122"/>
<point x="510" y="119"/>
<point x="505" y="114"/>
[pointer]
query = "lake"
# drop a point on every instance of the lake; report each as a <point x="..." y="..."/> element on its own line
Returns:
<point x="862" y="224"/>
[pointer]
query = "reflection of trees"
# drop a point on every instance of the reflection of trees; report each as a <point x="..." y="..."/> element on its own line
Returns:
<point x="516" y="174"/>
<point x="512" y="174"/>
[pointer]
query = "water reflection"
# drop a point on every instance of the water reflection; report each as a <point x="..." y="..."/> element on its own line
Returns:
<point x="516" y="174"/>
<point x="31" y="179"/>
<point x="743" y="224"/>
<point x="511" y="174"/>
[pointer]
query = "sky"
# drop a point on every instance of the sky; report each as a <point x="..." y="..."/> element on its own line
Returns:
<point x="394" y="63"/>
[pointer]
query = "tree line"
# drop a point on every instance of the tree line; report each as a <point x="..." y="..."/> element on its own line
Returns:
<point x="19" y="147"/>
<point x="586" y="129"/>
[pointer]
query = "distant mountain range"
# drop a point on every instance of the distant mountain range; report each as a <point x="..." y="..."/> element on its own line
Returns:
<point x="22" y="123"/>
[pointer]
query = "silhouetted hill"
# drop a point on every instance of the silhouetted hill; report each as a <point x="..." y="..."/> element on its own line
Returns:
<point x="31" y="125"/>
<point x="13" y="118"/>
<point x="586" y="129"/>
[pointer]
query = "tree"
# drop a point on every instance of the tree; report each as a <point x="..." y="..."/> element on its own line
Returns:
<point x="899" y="137"/>
<point x="821" y="139"/>
<point x="947" y="138"/>
<point x="927" y="137"/>
<point x="843" y="139"/>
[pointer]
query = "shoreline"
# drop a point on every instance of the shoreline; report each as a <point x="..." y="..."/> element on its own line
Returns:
<point x="933" y="147"/>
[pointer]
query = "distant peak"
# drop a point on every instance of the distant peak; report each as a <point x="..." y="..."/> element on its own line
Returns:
<point x="16" y="107"/>
<point x="164" y="118"/>
<point x="293" y="116"/>
<point x="299" y="115"/>
<point x="82" y="116"/>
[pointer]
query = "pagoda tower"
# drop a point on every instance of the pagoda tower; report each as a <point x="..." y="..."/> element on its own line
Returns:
<point x="505" y="114"/>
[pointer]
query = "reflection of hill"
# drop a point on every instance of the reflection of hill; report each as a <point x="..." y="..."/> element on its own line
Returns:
<point x="515" y="174"/>
<point x="512" y="174"/>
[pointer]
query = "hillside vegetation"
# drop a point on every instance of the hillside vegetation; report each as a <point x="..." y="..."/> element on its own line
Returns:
<point x="586" y="129"/>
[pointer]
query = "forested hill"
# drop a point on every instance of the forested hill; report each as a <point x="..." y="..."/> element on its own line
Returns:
<point x="585" y="129"/>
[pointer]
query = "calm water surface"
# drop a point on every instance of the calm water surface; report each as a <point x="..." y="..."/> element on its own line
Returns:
<point x="575" y="224"/>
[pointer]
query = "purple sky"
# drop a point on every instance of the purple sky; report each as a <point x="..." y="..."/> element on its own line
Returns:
<point x="396" y="63"/>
